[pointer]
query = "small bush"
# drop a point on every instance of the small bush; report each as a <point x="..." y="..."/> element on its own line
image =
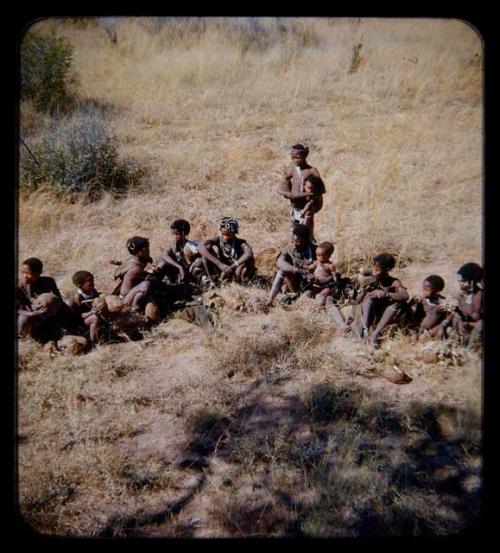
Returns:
<point x="77" y="155"/>
<point x="46" y="74"/>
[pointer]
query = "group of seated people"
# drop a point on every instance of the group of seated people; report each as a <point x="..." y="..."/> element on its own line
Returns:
<point x="303" y="267"/>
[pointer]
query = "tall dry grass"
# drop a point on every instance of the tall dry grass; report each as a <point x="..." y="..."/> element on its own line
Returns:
<point x="398" y="141"/>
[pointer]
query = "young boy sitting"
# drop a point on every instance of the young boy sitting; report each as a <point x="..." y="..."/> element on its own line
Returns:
<point x="384" y="301"/>
<point x="292" y="185"/>
<point x="81" y="304"/>
<point x="42" y="324"/>
<point x="177" y="258"/>
<point x="325" y="286"/>
<point x="467" y="318"/>
<point x="293" y="262"/>
<point x="231" y="257"/>
<point x="427" y="310"/>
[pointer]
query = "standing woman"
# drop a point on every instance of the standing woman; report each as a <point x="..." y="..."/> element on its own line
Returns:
<point x="292" y="187"/>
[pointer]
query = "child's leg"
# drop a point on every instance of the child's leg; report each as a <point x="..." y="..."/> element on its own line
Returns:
<point x="197" y="268"/>
<point x="210" y="269"/>
<point x="334" y="312"/>
<point x="136" y="297"/>
<point x="25" y="325"/>
<point x="476" y="334"/>
<point x="368" y="310"/>
<point x="94" y="323"/>
<point x="322" y="295"/>
<point x="278" y="281"/>
<point x="388" y="316"/>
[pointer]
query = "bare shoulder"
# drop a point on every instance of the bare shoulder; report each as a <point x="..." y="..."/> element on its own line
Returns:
<point x="135" y="271"/>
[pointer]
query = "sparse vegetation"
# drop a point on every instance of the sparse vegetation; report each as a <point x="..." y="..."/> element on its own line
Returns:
<point x="272" y="425"/>
<point x="46" y="71"/>
<point x="77" y="155"/>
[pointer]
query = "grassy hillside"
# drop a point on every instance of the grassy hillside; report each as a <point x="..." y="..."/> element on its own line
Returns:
<point x="272" y="425"/>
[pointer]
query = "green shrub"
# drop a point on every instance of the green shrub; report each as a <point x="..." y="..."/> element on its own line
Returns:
<point x="46" y="74"/>
<point x="77" y="155"/>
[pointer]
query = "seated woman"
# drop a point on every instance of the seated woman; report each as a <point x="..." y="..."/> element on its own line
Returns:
<point x="226" y="256"/>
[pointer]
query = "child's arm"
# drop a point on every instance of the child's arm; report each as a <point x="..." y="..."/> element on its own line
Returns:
<point x="166" y="259"/>
<point x="311" y="266"/>
<point x="308" y="207"/>
<point x="400" y="293"/>
<point x="287" y="267"/>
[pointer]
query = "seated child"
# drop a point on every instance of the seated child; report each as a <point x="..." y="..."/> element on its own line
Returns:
<point x="383" y="302"/>
<point x="81" y="305"/>
<point x="467" y="318"/>
<point x="133" y="288"/>
<point x="427" y="311"/>
<point x="177" y="258"/>
<point x="324" y="273"/>
<point x="229" y="256"/>
<point x="326" y="282"/>
<point x="40" y="324"/>
<point x="293" y="262"/>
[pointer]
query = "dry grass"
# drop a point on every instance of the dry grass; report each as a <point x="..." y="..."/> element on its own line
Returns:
<point x="271" y="425"/>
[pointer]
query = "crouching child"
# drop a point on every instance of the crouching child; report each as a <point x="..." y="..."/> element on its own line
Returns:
<point x="428" y="310"/>
<point x="466" y="319"/>
<point x="384" y="301"/>
<point x="81" y="306"/>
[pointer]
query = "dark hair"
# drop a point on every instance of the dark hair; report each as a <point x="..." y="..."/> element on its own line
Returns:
<point x="181" y="225"/>
<point x="35" y="264"/>
<point x="136" y="243"/>
<point x="304" y="150"/>
<point x="328" y="247"/>
<point x="80" y="277"/>
<point x="471" y="271"/>
<point x="301" y="231"/>
<point x="317" y="182"/>
<point x="385" y="260"/>
<point x="436" y="282"/>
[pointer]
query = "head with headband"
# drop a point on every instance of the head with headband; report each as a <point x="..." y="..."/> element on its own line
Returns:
<point x="228" y="224"/>
<point x="299" y="153"/>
